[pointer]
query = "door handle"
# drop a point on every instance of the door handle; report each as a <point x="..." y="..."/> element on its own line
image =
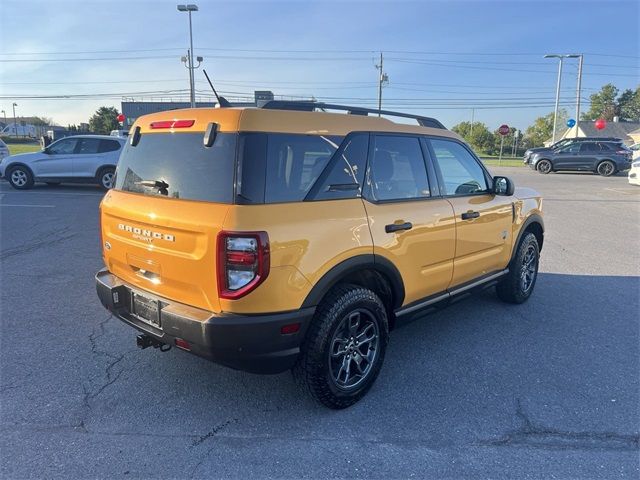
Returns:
<point x="470" y="215"/>
<point x="395" y="227"/>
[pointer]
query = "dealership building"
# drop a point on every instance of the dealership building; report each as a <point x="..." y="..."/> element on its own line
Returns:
<point x="132" y="109"/>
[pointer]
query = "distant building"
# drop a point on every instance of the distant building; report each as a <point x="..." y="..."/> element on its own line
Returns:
<point x="623" y="130"/>
<point x="133" y="109"/>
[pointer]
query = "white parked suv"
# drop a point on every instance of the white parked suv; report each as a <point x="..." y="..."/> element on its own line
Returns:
<point x="4" y="150"/>
<point x="77" y="159"/>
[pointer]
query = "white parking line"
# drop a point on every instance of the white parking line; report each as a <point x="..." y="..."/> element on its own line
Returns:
<point x="34" y="206"/>
<point x="55" y="193"/>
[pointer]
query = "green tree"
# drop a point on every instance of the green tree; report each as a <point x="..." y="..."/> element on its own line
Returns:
<point x="542" y="129"/>
<point x="629" y="105"/>
<point x="603" y="104"/>
<point x="104" y="120"/>
<point x="479" y="137"/>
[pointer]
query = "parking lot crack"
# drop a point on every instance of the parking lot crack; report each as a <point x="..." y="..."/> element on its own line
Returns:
<point x="51" y="238"/>
<point x="531" y="434"/>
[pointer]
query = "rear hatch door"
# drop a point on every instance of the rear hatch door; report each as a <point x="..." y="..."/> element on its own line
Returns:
<point x="160" y="222"/>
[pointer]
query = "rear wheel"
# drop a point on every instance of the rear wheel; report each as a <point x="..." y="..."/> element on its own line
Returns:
<point x="106" y="177"/>
<point x="20" y="177"/>
<point x="345" y="346"/>
<point x="517" y="285"/>
<point x="606" y="168"/>
<point x="544" y="166"/>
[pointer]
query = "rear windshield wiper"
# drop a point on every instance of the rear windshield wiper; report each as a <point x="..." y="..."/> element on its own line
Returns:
<point x="161" y="185"/>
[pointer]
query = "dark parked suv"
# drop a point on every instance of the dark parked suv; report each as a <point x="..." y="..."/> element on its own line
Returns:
<point x="604" y="158"/>
<point x="565" y="142"/>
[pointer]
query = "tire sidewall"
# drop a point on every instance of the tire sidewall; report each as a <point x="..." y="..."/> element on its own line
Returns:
<point x="613" y="170"/>
<point x="542" y="162"/>
<point x="312" y="371"/>
<point x="28" y="173"/>
<point x="380" y="317"/>
<point x="101" y="174"/>
<point x="528" y="240"/>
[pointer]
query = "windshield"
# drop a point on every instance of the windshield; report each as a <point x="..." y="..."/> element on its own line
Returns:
<point x="178" y="165"/>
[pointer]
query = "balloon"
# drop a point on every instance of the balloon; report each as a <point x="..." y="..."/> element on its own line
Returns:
<point x="600" y="124"/>
<point x="121" y="118"/>
<point x="571" y="123"/>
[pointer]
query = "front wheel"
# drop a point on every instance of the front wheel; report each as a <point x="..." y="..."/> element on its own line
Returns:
<point x="20" y="177"/>
<point x="517" y="285"/>
<point x="606" y="168"/>
<point x="106" y="177"/>
<point x="544" y="166"/>
<point x="344" y="348"/>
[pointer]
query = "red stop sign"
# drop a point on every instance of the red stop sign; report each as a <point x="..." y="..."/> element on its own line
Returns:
<point x="504" y="130"/>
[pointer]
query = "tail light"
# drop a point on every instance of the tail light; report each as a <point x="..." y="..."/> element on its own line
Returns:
<point x="243" y="262"/>
<point x="623" y="152"/>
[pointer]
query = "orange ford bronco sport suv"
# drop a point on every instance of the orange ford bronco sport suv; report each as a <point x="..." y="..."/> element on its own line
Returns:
<point x="277" y="238"/>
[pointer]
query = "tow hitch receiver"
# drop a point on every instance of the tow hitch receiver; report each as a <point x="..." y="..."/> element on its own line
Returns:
<point x="145" y="341"/>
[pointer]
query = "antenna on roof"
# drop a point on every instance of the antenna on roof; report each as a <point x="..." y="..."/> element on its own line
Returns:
<point x="222" y="102"/>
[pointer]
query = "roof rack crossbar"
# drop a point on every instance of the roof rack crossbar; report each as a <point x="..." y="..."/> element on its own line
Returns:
<point x="311" y="106"/>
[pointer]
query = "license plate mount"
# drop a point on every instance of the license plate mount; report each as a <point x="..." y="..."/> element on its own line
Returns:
<point x="146" y="309"/>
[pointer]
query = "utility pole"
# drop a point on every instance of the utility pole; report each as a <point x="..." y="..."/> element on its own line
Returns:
<point x="382" y="79"/>
<point x="473" y="112"/>
<point x="192" y="85"/>
<point x="578" y="93"/>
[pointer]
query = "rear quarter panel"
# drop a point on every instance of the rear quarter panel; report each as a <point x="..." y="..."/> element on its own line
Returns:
<point x="306" y="240"/>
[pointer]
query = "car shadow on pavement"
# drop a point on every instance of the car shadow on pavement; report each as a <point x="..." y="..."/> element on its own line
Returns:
<point x="456" y="375"/>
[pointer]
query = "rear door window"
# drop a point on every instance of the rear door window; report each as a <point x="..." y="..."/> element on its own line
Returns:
<point x="397" y="170"/>
<point x="178" y="165"/>
<point x="88" y="146"/>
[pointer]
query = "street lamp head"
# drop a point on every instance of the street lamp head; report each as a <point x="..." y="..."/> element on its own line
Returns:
<point x="182" y="8"/>
<point x="199" y="59"/>
<point x="188" y="8"/>
<point x="15" y="104"/>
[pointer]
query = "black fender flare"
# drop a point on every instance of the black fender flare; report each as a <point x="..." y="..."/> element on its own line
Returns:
<point x="351" y="265"/>
<point x="531" y="219"/>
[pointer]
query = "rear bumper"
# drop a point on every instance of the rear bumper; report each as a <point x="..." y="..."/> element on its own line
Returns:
<point x="252" y="343"/>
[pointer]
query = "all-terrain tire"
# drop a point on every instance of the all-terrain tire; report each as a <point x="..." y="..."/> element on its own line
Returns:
<point x="518" y="284"/>
<point x="315" y="370"/>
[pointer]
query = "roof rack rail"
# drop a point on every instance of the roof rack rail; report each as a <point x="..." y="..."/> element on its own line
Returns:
<point x="308" y="106"/>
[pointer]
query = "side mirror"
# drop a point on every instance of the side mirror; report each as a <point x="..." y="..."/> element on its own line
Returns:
<point x="503" y="186"/>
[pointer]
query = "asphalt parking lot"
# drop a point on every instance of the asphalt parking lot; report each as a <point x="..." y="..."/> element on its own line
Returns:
<point x="548" y="389"/>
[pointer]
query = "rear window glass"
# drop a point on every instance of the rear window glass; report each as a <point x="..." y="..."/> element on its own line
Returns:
<point x="178" y="165"/>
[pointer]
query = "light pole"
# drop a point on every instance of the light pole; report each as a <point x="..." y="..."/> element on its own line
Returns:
<point x="578" y="92"/>
<point x="555" y="114"/>
<point x="5" y="117"/>
<point x="190" y="8"/>
<point x="15" y="125"/>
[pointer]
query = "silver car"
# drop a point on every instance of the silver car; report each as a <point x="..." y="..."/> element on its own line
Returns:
<point x="77" y="159"/>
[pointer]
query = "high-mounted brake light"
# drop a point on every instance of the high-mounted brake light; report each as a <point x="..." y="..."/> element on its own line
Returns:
<point x="243" y="262"/>
<point x="172" y="124"/>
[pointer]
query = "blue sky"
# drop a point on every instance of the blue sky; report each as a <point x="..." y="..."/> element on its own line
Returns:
<point x="443" y="58"/>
